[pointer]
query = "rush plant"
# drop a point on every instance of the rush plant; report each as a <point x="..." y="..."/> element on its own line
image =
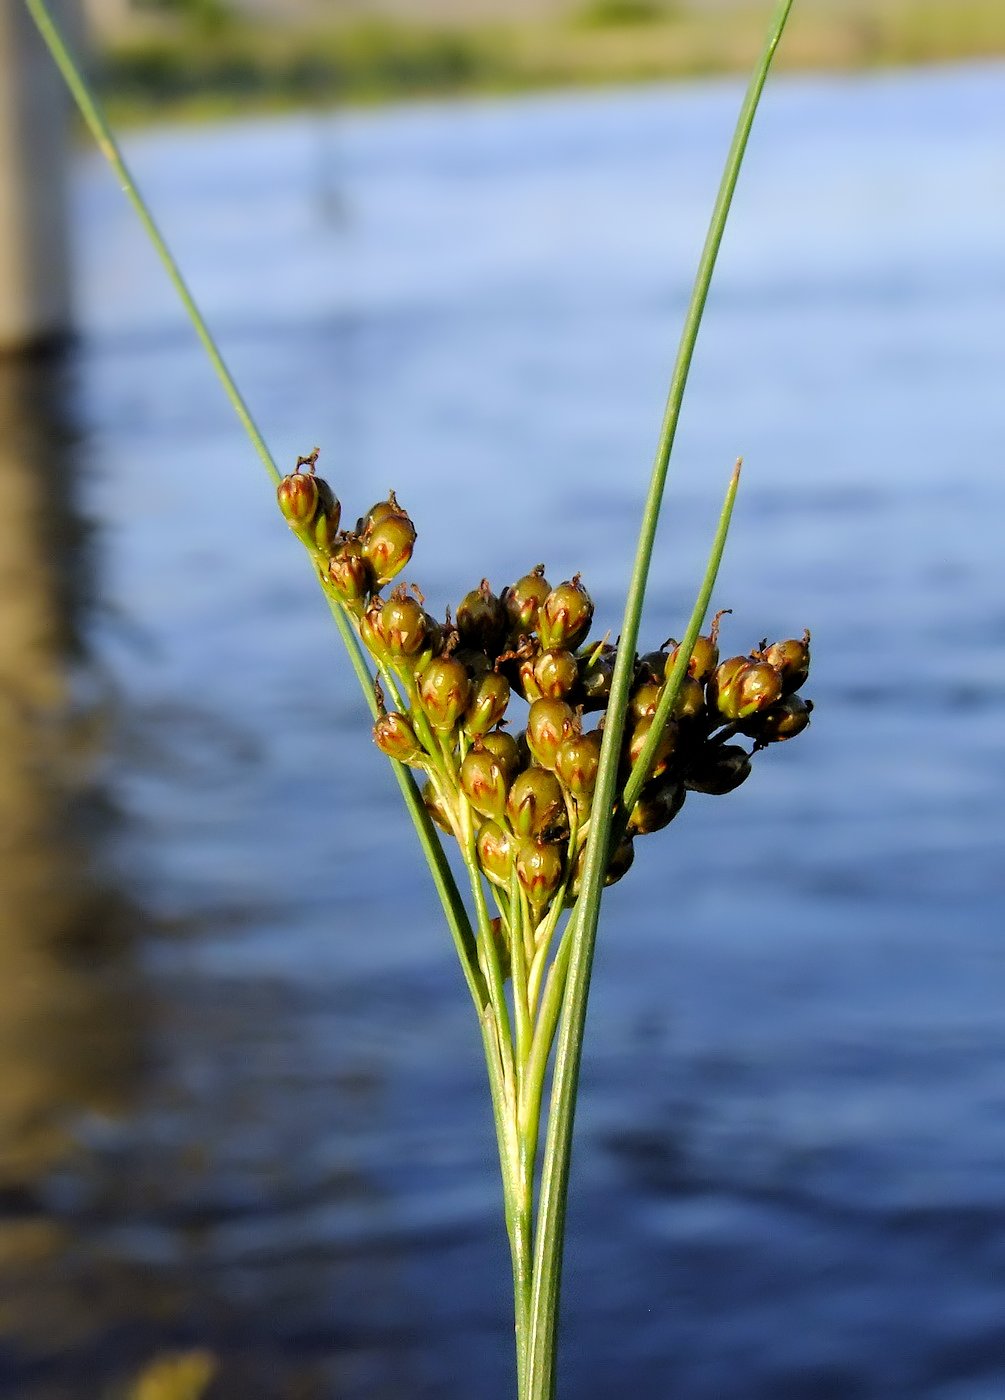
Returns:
<point x="544" y="753"/>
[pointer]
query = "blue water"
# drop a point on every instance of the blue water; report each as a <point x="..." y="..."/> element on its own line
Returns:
<point x="263" y="1128"/>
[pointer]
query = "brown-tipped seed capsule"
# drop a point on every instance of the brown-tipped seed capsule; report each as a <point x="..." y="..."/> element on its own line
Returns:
<point x="349" y="573"/>
<point x="718" y="769"/>
<point x="485" y="782"/>
<point x="388" y="545"/>
<point x="523" y="599"/>
<point x="723" y="678"/>
<point x="506" y="750"/>
<point x="535" y="802"/>
<point x="371" y="628"/>
<point x="556" y="674"/>
<point x="495" y="848"/>
<point x="644" y="699"/>
<point x="394" y="735"/>
<point x="784" y="720"/>
<point x="690" y="702"/>
<point x="482" y="620"/>
<point x="435" y="808"/>
<point x="596" y="671"/>
<point x="444" y="692"/>
<point x="489" y="699"/>
<point x="702" y="662"/>
<point x="749" y="690"/>
<point x="665" y="747"/>
<point x="539" y="868"/>
<point x="298" y="497"/>
<point x="657" y="807"/>
<point x="549" y="723"/>
<point x="565" y="616"/>
<point x="380" y="511"/>
<point x="403" y="625"/>
<point x="791" y="660"/>
<point x="577" y="762"/>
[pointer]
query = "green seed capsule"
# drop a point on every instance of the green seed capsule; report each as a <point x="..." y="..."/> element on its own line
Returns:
<point x="535" y="802"/>
<point x="723" y="680"/>
<point x="326" y="519"/>
<point x="298" y="497"/>
<point x="549" y="723"/>
<point x="371" y="628"/>
<point x="485" y="782"/>
<point x="539" y="868"/>
<point x="577" y="762"/>
<point x="657" y="807"/>
<point x="644" y="699"/>
<point x="489" y="698"/>
<point x="444" y="692"/>
<point x="381" y="511"/>
<point x="703" y="660"/>
<point x="388" y="545"/>
<point x="791" y="660"/>
<point x="496" y="848"/>
<point x="783" y="720"/>
<point x="718" y="769"/>
<point x="349" y="573"/>
<point x="753" y="689"/>
<point x="565" y="616"/>
<point x="556" y="674"/>
<point x="394" y="735"/>
<point x="506" y="750"/>
<point x="523" y="599"/>
<point x="596" y="671"/>
<point x="690" y="702"/>
<point x="403" y="625"/>
<point x="482" y="620"/>
<point x="435" y="808"/>
<point x="665" y="748"/>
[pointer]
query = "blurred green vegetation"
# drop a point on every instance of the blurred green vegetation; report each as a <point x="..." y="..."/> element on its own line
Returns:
<point x="203" y="62"/>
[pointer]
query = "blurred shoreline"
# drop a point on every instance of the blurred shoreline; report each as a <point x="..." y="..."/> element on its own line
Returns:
<point x="213" y="63"/>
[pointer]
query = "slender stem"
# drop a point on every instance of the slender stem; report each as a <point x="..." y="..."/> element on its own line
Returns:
<point x="644" y="762"/>
<point x="550" y="1229"/>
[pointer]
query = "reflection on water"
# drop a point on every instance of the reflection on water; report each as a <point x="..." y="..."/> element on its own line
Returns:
<point x="241" y="1106"/>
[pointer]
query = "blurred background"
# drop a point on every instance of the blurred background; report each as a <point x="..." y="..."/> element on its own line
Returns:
<point x="242" y="1116"/>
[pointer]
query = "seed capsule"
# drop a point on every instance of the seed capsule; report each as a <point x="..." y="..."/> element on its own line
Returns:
<point x="565" y="616"/>
<point x="394" y="735"/>
<point x="657" y="807"/>
<point x="523" y="599"/>
<point x="349" y="573"/>
<point x="702" y="662"/>
<point x="718" y="769"/>
<point x="506" y="750"/>
<point x="665" y="748"/>
<point x="444" y="692"/>
<point x="539" y="867"/>
<point x="644" y="699"/>
<point x="381" y="511"/>
<point x="556" y="674"/>
<point x="650" y="667"/>
<point x="371" y="628"/>
<point x="618" y="864"/>
<point x="403" y="625"/>
<point x="326" y="519"/>
<point x="535" y="802"/>
<point x="596" y="670"/>
<point x="784" y="720"/>
<point x="791" y="660"/>
<point x="388" y="545"/>
<point x="485" y="782"/>
<point x="749" y="690"/>
<point x="548" y="724"/>
<point x="435" y="808"/>
<point x="482" y="620"/>
<point x="690" y="702"/>
<point x="723" y="678"/>
<point x="495" y="848"/>
<point x="298" y="497"/>
<point x="489" y="699"/>
<point x="577" y="762"/>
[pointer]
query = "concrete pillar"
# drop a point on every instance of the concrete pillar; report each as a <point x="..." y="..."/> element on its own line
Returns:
<point x="35" y="304"/>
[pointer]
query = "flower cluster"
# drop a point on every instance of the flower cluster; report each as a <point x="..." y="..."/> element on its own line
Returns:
<point x="517" y="792"/>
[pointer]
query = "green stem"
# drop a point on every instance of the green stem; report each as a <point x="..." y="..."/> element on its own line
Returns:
<point x="550" y="1229"/>
<point x="443" y="879"/>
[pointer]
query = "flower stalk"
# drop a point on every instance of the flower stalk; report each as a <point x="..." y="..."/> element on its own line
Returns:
<point x="491" y="711"/>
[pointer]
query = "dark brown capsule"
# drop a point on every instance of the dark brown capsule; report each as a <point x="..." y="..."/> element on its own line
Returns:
<point x="718" y="769"/>
<point x="482" y="620"/>
<point x="596" y="671"/>
<point x="657" y="806"/>
<point x="784" y="720"/>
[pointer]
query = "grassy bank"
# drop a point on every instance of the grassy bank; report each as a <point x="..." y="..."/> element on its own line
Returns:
<point x="192" y="70"/>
